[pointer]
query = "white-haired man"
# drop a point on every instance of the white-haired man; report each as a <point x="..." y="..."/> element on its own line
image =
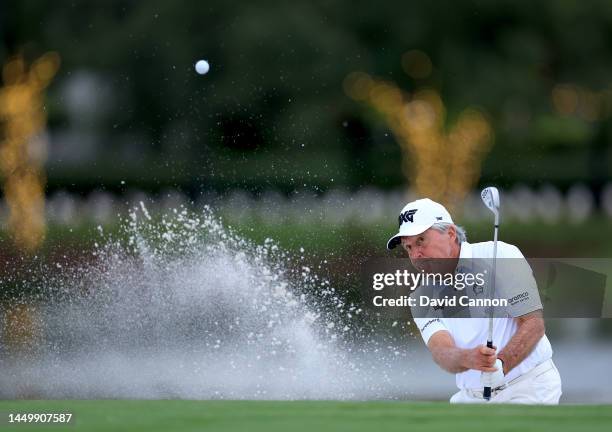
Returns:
<point x="520" y="369"/>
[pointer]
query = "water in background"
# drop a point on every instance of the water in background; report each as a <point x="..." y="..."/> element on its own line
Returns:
<point x="180" y="307"/>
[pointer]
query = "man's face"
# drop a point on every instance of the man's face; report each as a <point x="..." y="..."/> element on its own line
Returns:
<point x="431" y="245"/>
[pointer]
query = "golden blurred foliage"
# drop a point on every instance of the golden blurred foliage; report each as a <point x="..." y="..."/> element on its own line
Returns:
<point x="23" y="120"/>
<point x="21" y="328"/>
<point x="573" y="100"/>
<point x="417" y="64"/>
<point x="442" y="166"/>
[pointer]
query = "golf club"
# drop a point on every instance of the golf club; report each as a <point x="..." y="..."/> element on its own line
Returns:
<point x="490" y="197"/>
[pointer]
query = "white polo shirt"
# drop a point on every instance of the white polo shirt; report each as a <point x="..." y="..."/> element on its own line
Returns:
<point x="471" y="332"/>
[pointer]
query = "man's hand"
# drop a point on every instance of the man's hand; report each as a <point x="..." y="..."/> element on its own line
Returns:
<point x="456" y="360"/>
<point x="480" y="358"/>
<point x="494" y="379"/>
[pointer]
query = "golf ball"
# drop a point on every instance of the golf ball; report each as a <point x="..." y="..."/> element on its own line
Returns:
<point x="202" y="67"/>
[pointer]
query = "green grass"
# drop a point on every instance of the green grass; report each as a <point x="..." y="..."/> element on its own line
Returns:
<point x="316" y="416"/>
<point x="535" y="239"/>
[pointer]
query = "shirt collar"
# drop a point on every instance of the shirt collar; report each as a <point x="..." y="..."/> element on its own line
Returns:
<point x="466" y="251"/>
<point x="464" y="264"/>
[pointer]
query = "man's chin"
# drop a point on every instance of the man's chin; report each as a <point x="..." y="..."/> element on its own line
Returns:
<point x="423" y="264"/>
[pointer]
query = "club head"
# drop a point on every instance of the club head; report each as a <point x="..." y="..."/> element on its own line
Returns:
<point x="490" y="197"/>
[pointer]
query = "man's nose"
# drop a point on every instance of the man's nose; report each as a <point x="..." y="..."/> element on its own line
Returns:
<point x="416" y="253"/>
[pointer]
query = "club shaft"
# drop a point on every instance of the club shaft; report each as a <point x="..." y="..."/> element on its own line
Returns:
<point x="487" y="390"/>
<point x="492" y="294"/>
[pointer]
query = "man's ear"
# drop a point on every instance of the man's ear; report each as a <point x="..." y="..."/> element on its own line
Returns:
<point x="452" y="232"/>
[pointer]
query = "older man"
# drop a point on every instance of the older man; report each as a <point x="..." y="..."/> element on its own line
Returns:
<point x="521" y="369"/>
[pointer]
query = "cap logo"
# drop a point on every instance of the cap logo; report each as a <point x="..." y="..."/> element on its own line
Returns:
<point x="407" y="216"/>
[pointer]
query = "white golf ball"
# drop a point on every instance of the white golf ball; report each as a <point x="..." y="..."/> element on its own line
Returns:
<point x="202" y="67"/>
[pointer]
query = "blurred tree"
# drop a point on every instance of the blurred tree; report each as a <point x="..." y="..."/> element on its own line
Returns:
<point x="271" y="111"/>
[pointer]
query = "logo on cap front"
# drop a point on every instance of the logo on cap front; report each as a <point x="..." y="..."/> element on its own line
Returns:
<point x="407" y="216"/>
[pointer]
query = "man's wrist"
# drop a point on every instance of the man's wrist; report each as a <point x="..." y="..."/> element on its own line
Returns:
<point x="463" y="359"/>
<point x="503" y="361"/>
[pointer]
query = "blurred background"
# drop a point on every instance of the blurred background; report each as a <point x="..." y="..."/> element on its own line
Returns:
<point x="315" y="124"/>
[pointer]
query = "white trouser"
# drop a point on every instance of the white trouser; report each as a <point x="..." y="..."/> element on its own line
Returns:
<point x="541" y="385"/>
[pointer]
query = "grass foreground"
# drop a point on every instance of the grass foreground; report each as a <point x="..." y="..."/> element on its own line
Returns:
<point x="270" y="416"/>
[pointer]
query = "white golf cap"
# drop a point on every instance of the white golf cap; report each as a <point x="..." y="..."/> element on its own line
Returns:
<point x="417" y="217"/>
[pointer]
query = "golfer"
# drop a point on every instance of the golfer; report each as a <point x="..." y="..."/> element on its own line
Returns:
<point x="520" y="368"/>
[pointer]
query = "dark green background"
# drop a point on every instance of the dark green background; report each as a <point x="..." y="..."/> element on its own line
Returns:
<point x="271" y="113"/>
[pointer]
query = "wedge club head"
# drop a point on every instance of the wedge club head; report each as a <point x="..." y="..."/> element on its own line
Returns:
<point x="490" y="197"/>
